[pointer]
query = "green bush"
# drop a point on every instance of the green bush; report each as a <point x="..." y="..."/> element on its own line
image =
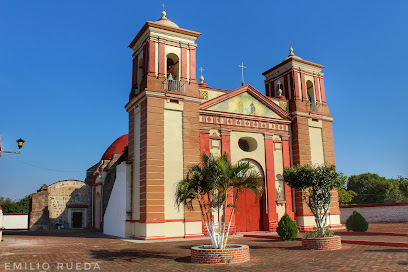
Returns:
<point x="287" y="228"/>
<point x="356" y="222"/>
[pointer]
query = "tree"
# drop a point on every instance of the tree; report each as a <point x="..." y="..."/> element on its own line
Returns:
<point x="316" y="184"/>
<point x="210" y="183"/>
<point x="345" y="196"/>
<point x="372" y="188"/>
<point x="10" y="206"/>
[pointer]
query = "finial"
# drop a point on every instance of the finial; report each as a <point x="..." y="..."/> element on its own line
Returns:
<point x="291" y="49"/>
<point x="164" y="11"/>
<point x="201" y="77"/>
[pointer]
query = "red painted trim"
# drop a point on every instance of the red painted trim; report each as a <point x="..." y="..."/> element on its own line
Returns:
<point x="183" y="63"/>
<point x="247" y="88"/>
<point x="152" y="57"/>
<point x="374" y="243"/>
<point x="292" y="60"/>
<point x="226" y="143"/>
<point x="372" y="233"/>
<point x="162" y="59"/>
<point x="322" y="90"/>
<point x="192" y="65"/>
<point x="205" y="143"/>
<point x="270" y="183"/>
<point x="317" y="89"/>
<point x="295" y="84"/>
<point x="373" y="205"/>
<point x="15" y="213"/>
<point x="288" y="189"/>
<point x="163" y="221"/>
<point x="303" y="84"/>
<point x="78" y="207"/>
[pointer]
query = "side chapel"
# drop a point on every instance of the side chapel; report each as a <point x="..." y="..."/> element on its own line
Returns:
<point x="173" y="119"/>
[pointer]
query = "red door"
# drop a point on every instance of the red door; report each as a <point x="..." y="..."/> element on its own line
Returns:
<point x="249" y="213"/>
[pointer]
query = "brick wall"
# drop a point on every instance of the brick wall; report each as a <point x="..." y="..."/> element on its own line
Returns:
<point x="219" y="256"/>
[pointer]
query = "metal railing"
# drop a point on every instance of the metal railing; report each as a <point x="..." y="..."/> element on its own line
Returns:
<point x="174" y="86"/>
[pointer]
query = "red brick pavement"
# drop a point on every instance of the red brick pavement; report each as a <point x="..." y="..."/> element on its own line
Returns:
<point x="118" y="255"/>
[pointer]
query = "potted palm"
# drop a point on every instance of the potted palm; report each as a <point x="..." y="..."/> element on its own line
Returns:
<point x="316" y="184"/>
<point x="208" y="185"/>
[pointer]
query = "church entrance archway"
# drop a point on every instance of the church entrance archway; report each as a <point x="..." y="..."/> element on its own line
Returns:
<point x="250" y="213"/>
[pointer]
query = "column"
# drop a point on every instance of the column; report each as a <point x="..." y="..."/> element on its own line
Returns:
<point x="270" y="183"/>
<point x="184" y="63"/>
<point x="288" y="189"/>
<point x="162" y="60"/>
<point x="304" y="90"/>
<point x="317" y="89"/>
<point x="295" y="84"/>
<point x="152" y="57"/>
<point x="204" y="142"/>
<point x="192" y="64"/>
<point x="322" y="90"/>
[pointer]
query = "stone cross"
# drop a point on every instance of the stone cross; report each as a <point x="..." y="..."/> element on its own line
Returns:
<point x="201" y="70"/>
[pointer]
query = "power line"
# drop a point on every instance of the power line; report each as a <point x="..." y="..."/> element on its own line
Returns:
<point x="40" y="167"/>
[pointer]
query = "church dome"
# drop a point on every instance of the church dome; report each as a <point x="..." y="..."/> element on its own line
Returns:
<point x="116" y="147"/>
<point x="164" y="21"/>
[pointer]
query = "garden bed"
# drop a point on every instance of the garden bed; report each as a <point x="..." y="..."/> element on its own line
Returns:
<point x="325" y="243"/>
<point x="233" y="254"/>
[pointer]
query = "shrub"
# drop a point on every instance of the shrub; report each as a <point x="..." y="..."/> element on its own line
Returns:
<point x="356" y="222"/>
<point x="315" y="234"/>
<point x="287" y="228"/>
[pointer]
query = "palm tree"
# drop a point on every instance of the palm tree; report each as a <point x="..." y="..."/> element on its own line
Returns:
<point x="210" y="183"/>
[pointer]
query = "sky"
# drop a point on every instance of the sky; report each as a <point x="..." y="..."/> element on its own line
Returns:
<point x="65" y="75"/>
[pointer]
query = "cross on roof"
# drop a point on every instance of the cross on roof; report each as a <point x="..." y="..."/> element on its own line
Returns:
<point x="201" y="70"/>
<point x="242" y="67"/>
<point x="164" y="6"/>
<point x="290" y="43"/>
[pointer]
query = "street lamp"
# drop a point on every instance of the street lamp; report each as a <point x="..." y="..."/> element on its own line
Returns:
<point x="20" y="143"/>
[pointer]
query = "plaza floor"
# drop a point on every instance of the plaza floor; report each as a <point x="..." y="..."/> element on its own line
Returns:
<point x="93" y="251"/>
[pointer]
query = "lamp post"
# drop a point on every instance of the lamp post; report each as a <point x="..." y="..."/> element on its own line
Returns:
<point x="20" y="143"/>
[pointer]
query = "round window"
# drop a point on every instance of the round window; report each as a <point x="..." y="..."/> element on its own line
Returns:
<point x="247" y="144"/>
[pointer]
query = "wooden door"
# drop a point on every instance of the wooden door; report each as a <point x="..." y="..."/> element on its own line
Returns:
<point x="77" y="220"/>
<point x="249" y="214"/>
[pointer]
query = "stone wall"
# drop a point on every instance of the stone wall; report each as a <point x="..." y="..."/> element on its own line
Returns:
<point x="378" y="213"/>
<point x="50" y="205"/>
<point x="64" y="194"/>
<point x="38" y="216"/>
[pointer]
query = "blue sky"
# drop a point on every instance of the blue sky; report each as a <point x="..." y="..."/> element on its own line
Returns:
<point x="65" y="74"/>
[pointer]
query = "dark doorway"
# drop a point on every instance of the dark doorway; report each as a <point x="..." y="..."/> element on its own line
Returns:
<point x="77" y="220"/>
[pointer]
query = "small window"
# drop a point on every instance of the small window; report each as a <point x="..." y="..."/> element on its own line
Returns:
<point x="247" y="144"/>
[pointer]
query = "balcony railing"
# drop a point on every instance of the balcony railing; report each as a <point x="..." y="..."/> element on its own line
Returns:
<point x="174" y="86"/>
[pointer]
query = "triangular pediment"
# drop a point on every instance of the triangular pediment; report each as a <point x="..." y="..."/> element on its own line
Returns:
<point x="245" y="101"/>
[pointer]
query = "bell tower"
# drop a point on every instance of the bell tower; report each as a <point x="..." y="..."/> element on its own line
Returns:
<point x="300" y="83"/>
<point x="164" y="58"/>
<point x="163" y="112"/>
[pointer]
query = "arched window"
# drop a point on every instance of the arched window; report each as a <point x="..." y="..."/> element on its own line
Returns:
<point x="310" y="92"/>
<point x="172" y="67"/>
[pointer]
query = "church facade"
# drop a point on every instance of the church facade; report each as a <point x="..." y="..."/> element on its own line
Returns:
<point x="173" y="119"/>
